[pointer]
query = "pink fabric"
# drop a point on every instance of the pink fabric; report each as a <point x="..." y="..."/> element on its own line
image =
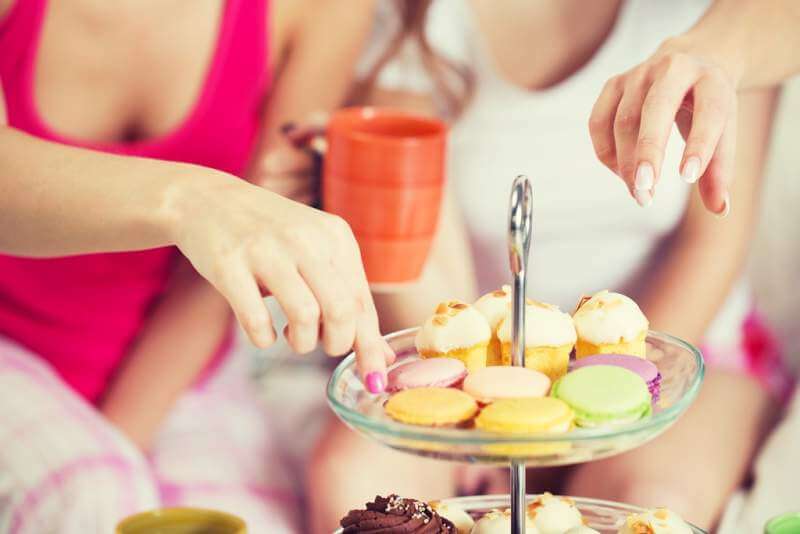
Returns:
<point x="67" y="470"/>
<point x="758" y="354"/>
<point x="81" y="313"/>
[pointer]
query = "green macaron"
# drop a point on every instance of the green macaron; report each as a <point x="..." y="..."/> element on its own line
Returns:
<point x="604" y="395"/>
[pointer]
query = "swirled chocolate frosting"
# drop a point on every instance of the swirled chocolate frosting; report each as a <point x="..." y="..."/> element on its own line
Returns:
<point x="395" y="515"/>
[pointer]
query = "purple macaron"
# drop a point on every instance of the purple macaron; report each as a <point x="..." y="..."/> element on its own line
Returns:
<point x="644" y="368"/>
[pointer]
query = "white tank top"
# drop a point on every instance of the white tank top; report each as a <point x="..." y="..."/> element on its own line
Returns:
<point x="589" y="234"/>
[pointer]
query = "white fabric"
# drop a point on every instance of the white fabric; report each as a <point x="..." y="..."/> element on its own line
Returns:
<point x="589" y="234"/>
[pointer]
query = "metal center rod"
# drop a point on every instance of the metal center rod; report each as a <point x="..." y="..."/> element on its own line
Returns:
<point x="519" y="240"/>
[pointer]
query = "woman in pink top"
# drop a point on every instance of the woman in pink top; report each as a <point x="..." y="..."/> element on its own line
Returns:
<point x="123" y="127"/>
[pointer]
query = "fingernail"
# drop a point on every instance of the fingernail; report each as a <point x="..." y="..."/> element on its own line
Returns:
<point x="644" y="197"/>
<point x="645" y="178"/>
<point x="691" y="170"/>
<point x="726" y="206"/>
<point x="375" y="382"/>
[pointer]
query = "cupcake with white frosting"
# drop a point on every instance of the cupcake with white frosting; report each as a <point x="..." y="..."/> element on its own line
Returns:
<point x="499" y="522"/>
<point x="610" y="323"/>
<point x="549" y="339"/>
<point x="495" y="306"/>
<point x="554" y="515"/>
<point x="456" y="330"/>
<point x="658" y="521"/>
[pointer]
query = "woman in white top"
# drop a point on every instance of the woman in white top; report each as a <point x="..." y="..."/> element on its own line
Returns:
<point x="537" y="69"/>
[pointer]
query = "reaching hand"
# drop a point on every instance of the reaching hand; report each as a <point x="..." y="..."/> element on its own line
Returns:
<point x="632" y="120"/>
<point x="243" y="238"/>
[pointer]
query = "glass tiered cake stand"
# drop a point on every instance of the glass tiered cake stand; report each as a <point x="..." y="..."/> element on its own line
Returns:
<point x="680" y="365"/>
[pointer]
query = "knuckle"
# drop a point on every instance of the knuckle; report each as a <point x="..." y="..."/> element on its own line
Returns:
<point x="649" y="145"/>
<point x="252" y="321"/>
<point x="341" y="311"/>
<point x="305" y="313"/>
<point x="598" y="124"/>
<point x="627" y="121"/>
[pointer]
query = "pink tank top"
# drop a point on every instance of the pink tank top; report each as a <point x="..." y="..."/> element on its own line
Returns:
<point x="81" y="313"/>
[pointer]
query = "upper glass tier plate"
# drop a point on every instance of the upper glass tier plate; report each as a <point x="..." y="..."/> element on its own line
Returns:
<point x="680" y="364"/>
<point x="604" y="516"/>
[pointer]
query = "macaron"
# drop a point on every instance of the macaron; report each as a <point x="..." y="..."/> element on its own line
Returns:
<point x="604" y="395"/>
<point x="431" y="406"/>
<point x="493" y="383"/>
<point x="434" y="372"/>
<point x="644" y="368"/>
<point x="526" y="415"/>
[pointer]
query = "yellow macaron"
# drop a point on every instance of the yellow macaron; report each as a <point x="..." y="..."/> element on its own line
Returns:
<point x="431" y="406"/>
<point x="526" y="415"/>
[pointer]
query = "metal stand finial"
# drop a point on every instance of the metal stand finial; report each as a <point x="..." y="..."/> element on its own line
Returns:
<point x="520" y="228"/>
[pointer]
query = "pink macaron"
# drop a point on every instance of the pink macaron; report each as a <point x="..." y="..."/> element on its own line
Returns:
<point x="503" y="382"/>
<point x="431" y="372"/>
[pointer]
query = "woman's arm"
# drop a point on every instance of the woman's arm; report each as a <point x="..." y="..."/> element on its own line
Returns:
<point x="59" y="200"/>
<point x="707" y="254"/>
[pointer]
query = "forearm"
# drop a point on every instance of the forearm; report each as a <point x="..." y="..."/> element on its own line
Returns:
<point x="183" y="333"/>
<point x="755" y="40"/>
<point x="59" y="200"/>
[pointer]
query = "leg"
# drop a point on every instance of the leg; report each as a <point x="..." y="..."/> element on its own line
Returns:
<point x="63" y="468"/>
<point x="696" y="464"/>
<point x="216" y="450"/>
<point x="347" y="470"/>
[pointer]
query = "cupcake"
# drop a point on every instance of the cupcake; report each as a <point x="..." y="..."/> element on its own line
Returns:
<point x="460" y="519"/>
<point x="549" y="338"/>
<point x="658" y="521"/>
<point x="393" y="514"/>
<point x="499" y="522"/>
<point x="554" y="515"/>
<point x="582" y="529"/>
<point x="610" y="323"/>
<point x="456" y="330"/>
<point x="495" y="306"/>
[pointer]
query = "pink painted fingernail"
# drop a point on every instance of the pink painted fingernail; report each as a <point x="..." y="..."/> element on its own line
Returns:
<point x="691" y="170"/>
<point x="375" y="382"/>
<point x="726" y="206"/>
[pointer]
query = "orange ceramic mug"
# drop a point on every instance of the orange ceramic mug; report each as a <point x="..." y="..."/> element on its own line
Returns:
<point x="384" y="174"/>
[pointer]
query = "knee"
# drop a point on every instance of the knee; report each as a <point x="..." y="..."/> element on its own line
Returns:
<point x="87" y="494"/>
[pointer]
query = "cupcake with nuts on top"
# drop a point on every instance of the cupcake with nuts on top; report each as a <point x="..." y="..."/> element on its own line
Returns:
<point x="456" y="330"/>
<point x="495" y="306"/>
<point x="610" y="323"/>
<point x="549" y="339"/>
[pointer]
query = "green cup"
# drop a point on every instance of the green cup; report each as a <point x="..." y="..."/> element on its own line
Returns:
<point x="784" y="524"/>
<point x="182" y="521"/>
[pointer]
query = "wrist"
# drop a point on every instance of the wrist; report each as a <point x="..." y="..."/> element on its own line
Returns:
<point x="725" y="54"/>
<point x="187" y="188"/>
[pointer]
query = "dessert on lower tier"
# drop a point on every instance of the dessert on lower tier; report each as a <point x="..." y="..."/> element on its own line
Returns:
<point x="456" y="330"/>
<point x="499" y="522"/>
<point x="456" y="515"/>
<point x="431" y="406"/>
<point x="433" y="372"/>
<point x="604" y="395"/>
<point x="658" y="521"/>
<point x="495" y="307"/>
<point x="546" y="514"/>
<point x="554" y="515"/>
<point x="549" y="339"/>
<point x="610" y="323"/>
<point x="642" y="367"/>
<point x="395" y="515"/>
<point x="499" y="382"/>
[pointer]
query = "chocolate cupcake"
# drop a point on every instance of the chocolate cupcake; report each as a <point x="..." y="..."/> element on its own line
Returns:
<point x="395" y="515"/>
